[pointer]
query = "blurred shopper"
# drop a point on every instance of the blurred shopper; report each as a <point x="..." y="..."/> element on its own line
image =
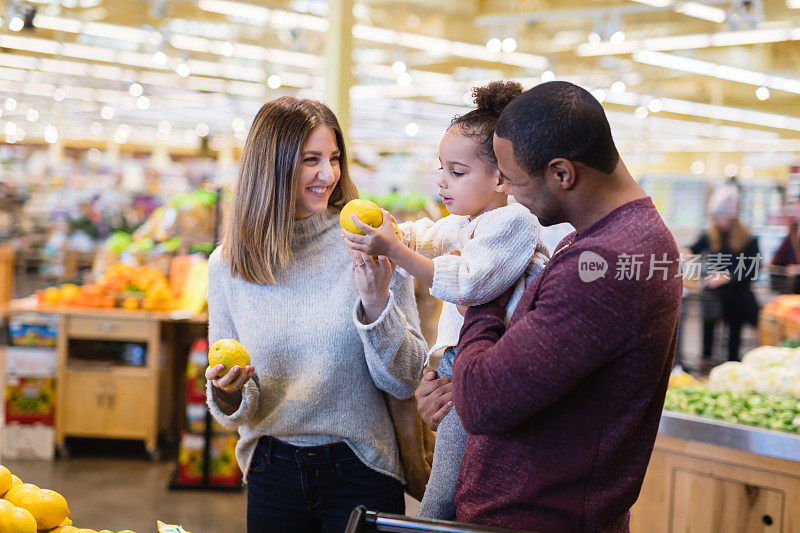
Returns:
<point x="785" y="265"/>
<point x="327" y="331"/>
<point x="730" y="258"/>
<point x="562" y="404"/>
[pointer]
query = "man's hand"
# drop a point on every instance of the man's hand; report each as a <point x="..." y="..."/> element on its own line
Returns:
<point x="434" y="398"/>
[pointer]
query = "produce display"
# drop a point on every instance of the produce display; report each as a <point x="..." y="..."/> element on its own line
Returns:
<point x="26" y="508"/>
<point x="763" y="390"/>
<point x="750" y="408"/>
<point x="784" y="307"/>
<point x="132" y="288"/>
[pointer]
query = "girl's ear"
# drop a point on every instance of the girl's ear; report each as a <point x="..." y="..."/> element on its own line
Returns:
<point x="498" y="180"/>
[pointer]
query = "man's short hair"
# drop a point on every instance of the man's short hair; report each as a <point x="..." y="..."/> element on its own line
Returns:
<point x="558" y="119"/>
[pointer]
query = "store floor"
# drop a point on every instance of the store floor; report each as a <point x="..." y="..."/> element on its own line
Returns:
<point x="132" y="494"/>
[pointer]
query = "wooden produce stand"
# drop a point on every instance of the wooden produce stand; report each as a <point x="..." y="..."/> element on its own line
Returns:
<point x="709" y="475"/>
<point x="104" y="395"/>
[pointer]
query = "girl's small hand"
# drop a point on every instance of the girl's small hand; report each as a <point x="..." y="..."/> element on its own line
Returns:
<point x="375" y="241"/>
<point x="233" y="380"/>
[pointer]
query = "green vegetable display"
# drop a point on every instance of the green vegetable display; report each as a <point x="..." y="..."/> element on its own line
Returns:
<point x="749" y="408"/>
<point x="790" y="343"/>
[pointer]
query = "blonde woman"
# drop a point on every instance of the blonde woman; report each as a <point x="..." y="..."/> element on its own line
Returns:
<point x="327" y="330"/>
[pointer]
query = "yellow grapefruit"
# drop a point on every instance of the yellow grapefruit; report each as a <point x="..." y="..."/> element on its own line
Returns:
<point x="228" y="353"/>
<point x="367" y="212"/>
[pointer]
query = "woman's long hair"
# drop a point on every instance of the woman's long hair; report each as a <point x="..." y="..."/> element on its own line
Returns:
<point x="256" y="241"/>
<point x="738" y="237"/>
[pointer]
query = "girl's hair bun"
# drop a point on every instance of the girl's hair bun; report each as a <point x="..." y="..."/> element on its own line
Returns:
<point x="495" y="96"/>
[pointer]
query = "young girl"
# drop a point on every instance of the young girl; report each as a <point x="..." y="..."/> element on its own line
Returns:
<point x="327" y="335"/>
<point x="483" y="249"/>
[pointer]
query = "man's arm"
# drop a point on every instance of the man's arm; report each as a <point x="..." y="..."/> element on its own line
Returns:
<point x="503" y="377"/>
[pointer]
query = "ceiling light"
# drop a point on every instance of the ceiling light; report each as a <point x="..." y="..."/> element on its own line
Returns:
<point x="697" y="168"/>
<point x="226" y="49"/>
<point x="701" y="11"/>
<point x="107" y="112"/>
<point x="412" y="129"/>
<point x="716" y="70"/>
<point x="135" y="89"/>
<point x="50" y="134"/>
<point x="202" y="129"/>
<point x="404" y="79"/>
<point x="730" y="170"/>
<point x="618" y="37"/>
<point x="655" y="105"/>
<point x="16" y="24"/>
<point x="600" y="95"/>
<point x="548" y="75"/>
<point x="160" y="58"/>
<point x="96" y="129"/>
<point x="59" y="94"/>
<point x="398" y="67"/>
<point x="641" y="113"/>
<point x="143" y="103"/>
<point x="32" y="115"/>
<point x="238" y="124"/>
<point x="509" y="44"/>
<point x="762" y="93"/>
<point x="183" y="70"/>
<point x="11" y="104"/>
<point x="274" y="81"/>
<point x="494" y="45"/>
<point x="618" y="87"/>
<point x="164" y="126"/>
<point x="94" y="155"/>
<point x="594" y="37"/>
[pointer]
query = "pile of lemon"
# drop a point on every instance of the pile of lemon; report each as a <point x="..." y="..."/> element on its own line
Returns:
<point x="25" y="508"/>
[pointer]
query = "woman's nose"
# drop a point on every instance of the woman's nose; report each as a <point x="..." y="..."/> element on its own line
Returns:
<point x="325" y="173"/>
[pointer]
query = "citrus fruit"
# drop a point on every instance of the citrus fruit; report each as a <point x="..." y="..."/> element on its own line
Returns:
<point x="5" y="480"/>
<point x="48" y="507"/>
<point x="16" y="494"/>
<point x="64" y="529"/>
<point x="229" y="353"/>
<point x="16" y="520"/>
<point x="130" y="303"/>
<point x="66" y="522"/>
<point x="15" y="481"/>
<point x="367" y="212"/>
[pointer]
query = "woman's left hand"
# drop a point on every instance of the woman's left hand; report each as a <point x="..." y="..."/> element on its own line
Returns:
<point x="372" y="279"/>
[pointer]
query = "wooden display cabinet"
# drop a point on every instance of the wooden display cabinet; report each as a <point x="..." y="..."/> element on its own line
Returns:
<point x="747" y="481"/>
<point x="113" y="378"/>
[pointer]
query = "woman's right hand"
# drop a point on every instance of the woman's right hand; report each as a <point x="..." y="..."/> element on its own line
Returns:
<point x="233" y="380"/>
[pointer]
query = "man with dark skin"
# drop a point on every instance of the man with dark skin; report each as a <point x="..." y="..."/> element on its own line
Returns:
<point x="562" y="404"/>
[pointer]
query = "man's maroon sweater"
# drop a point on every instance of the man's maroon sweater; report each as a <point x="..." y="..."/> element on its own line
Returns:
<point x="563" y="405"/>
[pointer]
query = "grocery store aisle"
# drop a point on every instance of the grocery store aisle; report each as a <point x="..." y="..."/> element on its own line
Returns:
<point x="132" y="494"/>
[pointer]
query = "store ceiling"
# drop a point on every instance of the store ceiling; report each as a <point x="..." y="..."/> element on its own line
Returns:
<point x="670" y="79"/>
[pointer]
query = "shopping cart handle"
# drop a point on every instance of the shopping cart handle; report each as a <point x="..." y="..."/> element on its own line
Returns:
<point x="364" y="521"/>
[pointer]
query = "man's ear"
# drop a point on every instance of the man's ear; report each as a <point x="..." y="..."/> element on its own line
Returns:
<point x="499" y="182"/>
<point x="563" y="171"/>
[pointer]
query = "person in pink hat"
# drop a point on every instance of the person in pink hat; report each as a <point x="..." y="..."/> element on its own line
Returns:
<point x="731" y="257"/>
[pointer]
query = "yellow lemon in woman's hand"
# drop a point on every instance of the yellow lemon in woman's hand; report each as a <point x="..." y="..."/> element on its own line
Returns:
<point x="228" y="353"/>
<point x="367" y="212"/>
